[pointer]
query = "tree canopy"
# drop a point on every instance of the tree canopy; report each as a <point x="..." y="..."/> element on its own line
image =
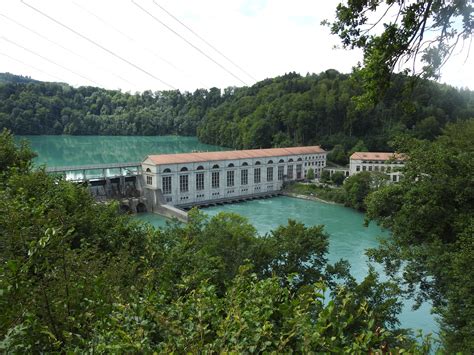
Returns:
<point x="76" y="276"/>
<point x="290" y="110"/>
<point x="430" y="213"/>
<point x="399" y="34"/>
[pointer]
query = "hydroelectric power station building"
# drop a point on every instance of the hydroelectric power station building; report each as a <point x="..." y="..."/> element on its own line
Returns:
<point x="190" y="179"/>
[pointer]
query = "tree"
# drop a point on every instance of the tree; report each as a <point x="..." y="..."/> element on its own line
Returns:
<point x="430" y="213"/>
<point x="338" y="178"/>
<point x="325" y="176"/>
<point x="358" y="187"/>
<point x="338" y="155"/>
<point x="310" y="174"/>
<point x="12" y="156"/>
<point x="431" y="29"/>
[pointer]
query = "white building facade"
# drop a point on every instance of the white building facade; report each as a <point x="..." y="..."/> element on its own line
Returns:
<point x="388" y="163"/>
<point x="198" y="178"/>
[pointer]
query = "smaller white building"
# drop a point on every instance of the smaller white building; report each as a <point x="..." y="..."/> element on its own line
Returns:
<point x="388" y="163"/>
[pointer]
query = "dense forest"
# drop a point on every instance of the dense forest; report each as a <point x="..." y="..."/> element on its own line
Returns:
<point x="283" y="111"/>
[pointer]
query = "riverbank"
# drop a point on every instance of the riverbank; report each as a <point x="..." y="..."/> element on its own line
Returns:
<point x="310" y="198"/>
<point x="325" y="194"/>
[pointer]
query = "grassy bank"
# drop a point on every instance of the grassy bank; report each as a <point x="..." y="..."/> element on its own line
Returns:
<point x="337" y="194"/>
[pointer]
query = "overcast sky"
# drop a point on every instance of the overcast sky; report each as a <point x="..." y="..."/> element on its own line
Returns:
<point x="259" y="39"/>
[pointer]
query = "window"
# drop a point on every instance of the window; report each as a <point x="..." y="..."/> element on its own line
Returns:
<point x="382" y="168"/>
<point x="215" y="180"/>
<point x="200" y="167"/>
<point x="244" y="177"/>
<point x="230" y="178"/>
<point x="245" y="164"/>
<point x="148" y="170"/>
<point x="370" y="167"/>
<point x="290" y="172"/>
<point x="183" y="183"/>
<point x="364" y="168"/>
<point x="215" y="166"/>
<point x="394" y="178"/>
<point x="230" y="165"/>
<point x="149" y="180"/>
<point x="256" y="176"/>
<point x="299" y="168"/>
<point x="200" y="181"/>
<point x="184" y="169"/>
<point x="281" y="161"/>
<point x="167" y="171"/>
<point x="270" y="174"/>
<point x="166" y="184"/>
<point x="281" y="170"/>
<point x="358" y="168"/>
<point x="257" y="163"/>
<point x="270" y="162"/>
<point x="376" y="168"/>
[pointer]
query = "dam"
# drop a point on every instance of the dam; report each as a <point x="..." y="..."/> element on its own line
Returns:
<point x="169" y="184"/>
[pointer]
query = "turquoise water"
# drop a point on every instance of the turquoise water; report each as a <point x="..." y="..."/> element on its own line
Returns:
<point x="84" y="150"/>
<point x="348" y="237"/>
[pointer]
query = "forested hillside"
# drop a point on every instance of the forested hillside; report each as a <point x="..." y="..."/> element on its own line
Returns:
<point x="319" y="109"/>
<point x="283" y="111"/>
<point x="53" y="108"/>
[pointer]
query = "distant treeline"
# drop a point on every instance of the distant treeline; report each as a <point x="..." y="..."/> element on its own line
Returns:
<point x="283" y="111"/>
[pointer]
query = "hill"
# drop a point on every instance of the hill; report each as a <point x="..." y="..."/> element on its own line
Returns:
<point x="283" y="111"/>
<point x="16" y="79"/>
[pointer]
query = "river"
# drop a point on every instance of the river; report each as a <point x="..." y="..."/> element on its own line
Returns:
<point x="348" y="237"/>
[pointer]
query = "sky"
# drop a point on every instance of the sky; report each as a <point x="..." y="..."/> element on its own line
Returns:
<point x="137" y="45"/>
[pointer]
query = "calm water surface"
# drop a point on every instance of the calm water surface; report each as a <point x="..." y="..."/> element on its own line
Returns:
<point x="348" y="237"/>
<point x="84" y="150"/>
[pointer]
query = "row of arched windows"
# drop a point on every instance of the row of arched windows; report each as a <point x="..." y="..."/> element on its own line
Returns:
<point x="231" y="165"/>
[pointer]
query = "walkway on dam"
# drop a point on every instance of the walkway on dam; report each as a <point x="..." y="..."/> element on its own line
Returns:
<point x="97" y="171"/>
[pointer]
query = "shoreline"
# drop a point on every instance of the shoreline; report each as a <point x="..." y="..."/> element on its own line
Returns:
<point x="310" y="198"/>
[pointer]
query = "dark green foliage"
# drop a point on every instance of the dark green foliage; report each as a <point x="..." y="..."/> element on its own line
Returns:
<point x="77" y="277"/>
<point x="285" y="111"/>
<point x="52" y="108"/>
<point x="310" y="174"/>
<point x="13" y="157"/>
<point x="338" y="178"/>
<point x="292" y="110"/>
<point x="403" y="41"/>
<point x="358" y="187"/>
<point x="430" y="213"/>
<point x="338" y="155"/>
<point x="325" y="176"/>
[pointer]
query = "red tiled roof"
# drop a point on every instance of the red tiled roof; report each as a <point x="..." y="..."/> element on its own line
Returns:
<point x="232" y="155"/>
<point x="377" y="156"/>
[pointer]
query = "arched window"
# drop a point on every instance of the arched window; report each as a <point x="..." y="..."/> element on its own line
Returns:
<point x="299" y="159"/>
<point x="200" y="167"/>
<point x="270" y="162"/>
<point x="230" y="165"/>
<point x="215" y="166"/>
<point x="167" y="171"/>
<point x="257" y="163"/>
<point x="281" y="161"/>
<point x="245" y="164"/>
<point x="184" y="169"/>
<point x="290" y="160"/>
<point x="148" y="170"/>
